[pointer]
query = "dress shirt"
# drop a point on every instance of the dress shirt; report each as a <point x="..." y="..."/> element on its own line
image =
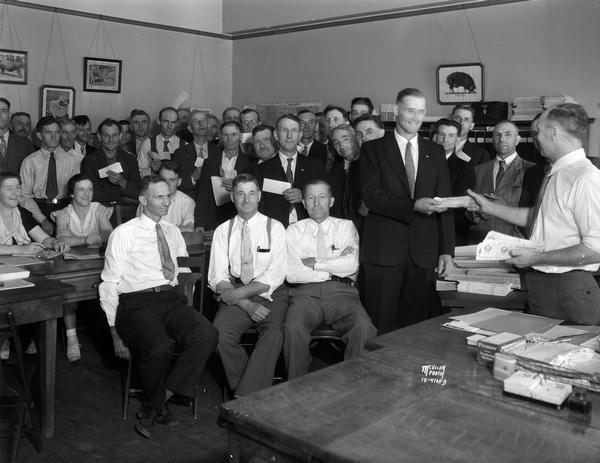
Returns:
<point x="508" y="161"/>
<point x="415" y="150"/>
<point x="228" y="164"/>
<point x="132" y="261"/>
<point x="143" y="156"/>
<point x="269" y="263"/>
<point x="76" y="153"/>
<point x="180" y="212"/>
<point x="301" y="240"/>
<point x="80" y="149"/>
<point x="34" y="172"/>
<point x="283" y="158"/>
<point x="5" y="136"/>
<point x="570" y="211"/>
<point x="302" y="145"/>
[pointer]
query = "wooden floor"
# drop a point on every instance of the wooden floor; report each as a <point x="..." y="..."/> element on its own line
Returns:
<point x="88" y="423"/>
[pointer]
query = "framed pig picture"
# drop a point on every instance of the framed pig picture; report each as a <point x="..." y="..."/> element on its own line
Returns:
<point x="460" y="83"/>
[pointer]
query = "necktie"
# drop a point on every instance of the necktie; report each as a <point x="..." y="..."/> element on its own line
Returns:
<point x="538" y="204"/>
<point x="166" y="146"/>
<point x="2" y="148"/>
<point x="168" y="269"/>
<point x="288" y="172"/>
<point x="501" y="172"/>
<point x="51" y="182"/>
<point x="409" y="165"/>
<point x="321" y="247"/>
<point x="304" y="151"/>
<point x="247" y="261"/>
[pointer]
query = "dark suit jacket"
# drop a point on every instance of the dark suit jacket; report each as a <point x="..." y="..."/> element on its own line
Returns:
<point x="207" y="214"/>
<point x="345" y="187"/>
<point x="275" y="206"/>
<point x="90" y="149"/>
<point x="393" y="229"/>
<point x="185" y="157"/>
<point x="462" y="177"/>
<point x="509" y="189"/>
<point x="130" y="148"/>
<point x="477" y="153"/>
<point x="17" y="149"/>
<point x="104" y="190"/>
<point x="318" y="151"/>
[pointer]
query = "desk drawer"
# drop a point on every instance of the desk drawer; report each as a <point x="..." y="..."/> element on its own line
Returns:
<point x="85" y="285"/>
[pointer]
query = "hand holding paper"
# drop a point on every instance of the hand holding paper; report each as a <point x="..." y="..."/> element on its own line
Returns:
<point x="114" y="167"/>
<point x="454" y="202"/>
<point x="498" y="246"/>
<point x="275" y="186"/>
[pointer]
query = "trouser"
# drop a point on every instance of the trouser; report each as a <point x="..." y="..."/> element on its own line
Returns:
<point x="572" y="296"/>
<point x="148" y="323"/>
<point x="313" y="304"/>
<point x="400" y="295"/>
<point x="249" y="374"/>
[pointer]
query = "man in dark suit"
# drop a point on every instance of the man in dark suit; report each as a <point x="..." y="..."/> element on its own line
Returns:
<point x="84" y="134"/>
<point x="265" y="147"/>
<point x="288" y="166"/>
<point x="139" y="123"/>
<point x="191" y="157"/>
<point x="122" y="188"/>
<point x="13" y="149"/>
<point x="462" y="175"/>
<point x="308" y="146"/>
<point x="464" y="115"/>
<point x="406" y="233"/>
<point x="249" y="119"/>
<point x="226" y="165"/>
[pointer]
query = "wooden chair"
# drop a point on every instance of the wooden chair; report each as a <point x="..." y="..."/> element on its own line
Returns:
<point x="21" y="400"/>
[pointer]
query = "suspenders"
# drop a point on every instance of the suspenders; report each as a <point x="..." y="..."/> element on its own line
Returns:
<point x="229" y="238"/>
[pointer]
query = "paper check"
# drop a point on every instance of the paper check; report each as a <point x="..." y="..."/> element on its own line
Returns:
<point x="275" y="186"/>
<point x="454" y="202"/>
<point x="114" y="167"/>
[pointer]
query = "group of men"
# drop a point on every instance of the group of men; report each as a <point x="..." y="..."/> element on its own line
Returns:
<point x="289" y="211"/>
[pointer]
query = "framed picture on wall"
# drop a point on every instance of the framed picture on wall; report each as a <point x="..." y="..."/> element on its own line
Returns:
<point x="460" y="83"/>
<point x="57" y="101"/>
<point x="102" y="75"/>
<point x="13" y="67"/>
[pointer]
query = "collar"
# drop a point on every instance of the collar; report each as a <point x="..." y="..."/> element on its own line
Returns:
<point x="461" y="143"/>
<point x="80" y="145"/>
<point x="567" y="160"/>
<point x="402" y="141"/>
<point x="302" y="145"/>
<point x="449" y="155"/>
<point x="148" y="222"/>
<point x="170" y="139"/>
<point x="508" y="160"/>
<point x="284" y="158"/>
<point x="45" y="152"/>
<point x="204" y="145"/>
<point x="251" y="220"/>
<point x="5" y="135"/>
<point x="324" y="225"/>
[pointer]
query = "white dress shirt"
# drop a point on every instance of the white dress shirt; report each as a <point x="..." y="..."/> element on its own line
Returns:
<point x="570" y="209"/>
<point x="228" y="164"/>
<point x="508" y="161"/>
<point x="301" y="240"/>
<point x="180" y="212"/>
<point x="143" y="157"/>
<point x="268" y="260"/>
<point x="402" y="142"/>
<point x="132" y="260"/>
<point x="284" y="163"/>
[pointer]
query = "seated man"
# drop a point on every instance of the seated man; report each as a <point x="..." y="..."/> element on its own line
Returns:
<point x="181" y="207"/>
<point x="83" y="136"/>
<point x="247" y="269"/>
<point x="322" y="262"/>
<point x="139" y="277"/>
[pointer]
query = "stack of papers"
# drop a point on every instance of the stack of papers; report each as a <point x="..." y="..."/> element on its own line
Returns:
<point x="525" y="108"/>
<point x="550" y="101"/>
<point x="484" y="287"/>
<point x="15" y="284"/>
<point x="497" y="246"/>
<point x="10" y="272"/>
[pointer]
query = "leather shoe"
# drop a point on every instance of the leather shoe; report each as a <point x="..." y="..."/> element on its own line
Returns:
<point x="165" y="418"/>
<point x="149" y="416"/>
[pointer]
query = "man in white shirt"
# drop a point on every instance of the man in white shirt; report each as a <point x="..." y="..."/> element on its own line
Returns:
<point x="247" y="270"/>
<point x="155" y="149"/>
<point x="144" y="312"/>
<point x="565" y="217"/>
<point x="323" y="264"/>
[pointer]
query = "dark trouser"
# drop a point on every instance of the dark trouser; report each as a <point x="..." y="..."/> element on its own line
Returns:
<point x="246" y="375"/>
<point x="400" y="295"/>
<point x="572" y="296"/>
<point x="148" y="323"/>
<point x="313" y="304"/>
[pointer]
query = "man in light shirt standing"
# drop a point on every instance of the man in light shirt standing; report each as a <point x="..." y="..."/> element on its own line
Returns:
<point x="247" y="270"/>
<point x="565" y="217"/>
<point x="322" y="264"/>
<point x="145" y="313"/>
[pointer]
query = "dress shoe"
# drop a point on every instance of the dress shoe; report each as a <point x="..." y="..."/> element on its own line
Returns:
<point x="152" y="416"/>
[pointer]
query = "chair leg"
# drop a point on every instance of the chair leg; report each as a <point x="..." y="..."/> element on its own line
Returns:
<point x="14" y="453"/>
<point x="126" y="388"/>
<point x="196" y="405"/>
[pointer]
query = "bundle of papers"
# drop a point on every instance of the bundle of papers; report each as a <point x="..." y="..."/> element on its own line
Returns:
<point x="525" y="108"/>
<point x="497" y="246"/>
<point x="454" y="202"/>
<point x="483" y="287"/>
<point x="15" y="284"/>
<point x="10" y="272"/>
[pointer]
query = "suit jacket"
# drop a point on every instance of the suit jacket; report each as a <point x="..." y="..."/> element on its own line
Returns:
<point x="509" y="189"/>
<point x="17" y="149"/>
<point x="462" y="177"/>
<point x="275" y="206"/>
<point x="318" y="151"/>
<point x="393" y="230"/>
<point x="207" y="213"/>
<point x="104" y="190"/>
<point x="130" y="147"/>
<point x="477" y="153"/>
<point x="345" y="187"/>
<point x="185" y="157"/>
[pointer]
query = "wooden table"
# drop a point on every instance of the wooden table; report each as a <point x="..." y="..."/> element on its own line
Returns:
<point x="382" y="407"/>
<point x="515" y="300"/>
<point x="41" y="303"/>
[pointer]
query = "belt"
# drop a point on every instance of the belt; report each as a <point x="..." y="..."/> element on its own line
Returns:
<point x="346" y="281"/>
<point x="155" y="289"/>
<point x="570" y="272"/>
<point x="51" y="201"/>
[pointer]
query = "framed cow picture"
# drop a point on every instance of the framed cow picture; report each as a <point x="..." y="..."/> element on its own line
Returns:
<point x="13" y="67"/>
<point x="460" y="83"/>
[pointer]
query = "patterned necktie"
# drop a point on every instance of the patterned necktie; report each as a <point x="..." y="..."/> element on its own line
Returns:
<point x="501" y="172"/>
<point x="321" y="247"/>
<point x="2" y="148"/>
<point x="166" y="146"/>
<point x="168" y="269"/>
<point x="304" y="151"/>
<point x="409" y="165"/>
<point x="247" y="261"/>
<point x="288" y="172"/>
<point x="51" y="182"/>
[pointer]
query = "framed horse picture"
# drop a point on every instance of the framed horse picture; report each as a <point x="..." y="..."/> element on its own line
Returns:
<point x="13" y="67"/>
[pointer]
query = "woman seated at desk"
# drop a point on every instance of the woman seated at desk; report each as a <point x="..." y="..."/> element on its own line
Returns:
<point x="81" y="223"/>
<point x="20" y="234"/>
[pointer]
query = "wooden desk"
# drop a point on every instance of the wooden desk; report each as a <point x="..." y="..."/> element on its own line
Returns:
<point x="42" y="303"/>
<point x="378" y="409"/>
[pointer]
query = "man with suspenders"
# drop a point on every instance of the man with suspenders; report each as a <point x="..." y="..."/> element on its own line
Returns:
<point x="246" y="271"/>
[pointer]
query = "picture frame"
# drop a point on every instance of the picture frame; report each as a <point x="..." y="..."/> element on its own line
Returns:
<point x="57" y="101"/>
<point x="102" y="75"/>
<point x="13" y="67"/>
<point x="460" y="83"/>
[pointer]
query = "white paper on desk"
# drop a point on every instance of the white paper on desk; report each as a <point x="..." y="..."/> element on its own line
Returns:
<point x="275" y="186"/>
<point x="114" y="167"/>
<point x="497" y="246"/>
<point x="220" y="193"/>
<point x="454" y="201"/>
<point x="480" y="316"/>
